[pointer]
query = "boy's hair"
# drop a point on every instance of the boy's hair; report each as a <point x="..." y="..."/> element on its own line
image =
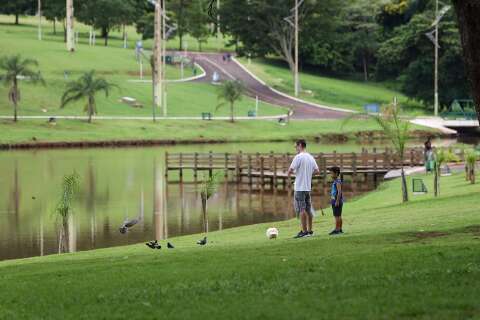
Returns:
<point x="302" y="143"/>
<point x="335" y="169"/>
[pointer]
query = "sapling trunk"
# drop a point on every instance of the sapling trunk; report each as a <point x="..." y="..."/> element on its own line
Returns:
<point x="404" y="186"/>
<point x="205" y="215"/>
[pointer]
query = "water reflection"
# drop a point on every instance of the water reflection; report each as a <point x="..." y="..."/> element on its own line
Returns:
<point x="120" y="184"/>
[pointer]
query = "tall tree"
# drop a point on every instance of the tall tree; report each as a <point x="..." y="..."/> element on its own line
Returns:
<point x="361" y="33"/>
<point x="16" y="68"/>
<point x="17" y="8"/>
<point x="231" y="92"/>
<point x="198" y="22"/>
<point x="468" y="13"/>
<point x="86" y="88"/>
<point x="54" y="10"/>
<point x="407" y="55"/>
<point x="261" y="27"/>
<point x="180" y="10"/>
<point x="107" y="14"/>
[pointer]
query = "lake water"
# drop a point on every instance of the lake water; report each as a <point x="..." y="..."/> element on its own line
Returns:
<point x="118" y="184"/>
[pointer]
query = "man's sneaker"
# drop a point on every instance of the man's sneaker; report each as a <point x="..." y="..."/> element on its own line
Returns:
<point x="309" y="233"/>
<point x="334" y="232"/>
<point x="340" y="231"/>
<point x="301" y="234"/>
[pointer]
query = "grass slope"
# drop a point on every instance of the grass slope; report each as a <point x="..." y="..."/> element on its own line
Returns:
<point x="329" y="91"/>
<point x="178" y="130"/>
<point x="116" y="36"/>
<point x="415" y="261"/>
<point x="116" y="65"/>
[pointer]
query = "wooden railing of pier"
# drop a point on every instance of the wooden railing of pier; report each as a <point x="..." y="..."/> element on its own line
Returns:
<point x="272" y="167"/>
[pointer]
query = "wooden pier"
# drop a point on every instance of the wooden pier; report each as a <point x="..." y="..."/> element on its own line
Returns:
<point x="269" y="170"/>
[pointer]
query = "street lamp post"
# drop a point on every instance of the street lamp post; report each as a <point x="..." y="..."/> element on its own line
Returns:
<point x="218" y="25"/>
<point x="436" y="62"/>
<point x="434" y="38"/>
<point x="157" y="53"/>
<point x="297" y="89"/>
<point x="164" y="56"/>
<point x="295" y="25"/>
<point x="39" y="19"/>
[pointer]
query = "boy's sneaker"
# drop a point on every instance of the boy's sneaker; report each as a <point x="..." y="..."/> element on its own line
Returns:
<point x="340" y="231"/>
<point x="309" y="233"/>
<point x="334" y="232"/>
<point x="301" y="234"/>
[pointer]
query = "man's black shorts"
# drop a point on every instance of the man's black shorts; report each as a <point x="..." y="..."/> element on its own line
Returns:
<point x="337" y="211"/>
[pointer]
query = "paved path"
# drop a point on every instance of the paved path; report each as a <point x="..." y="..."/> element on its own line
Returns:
<point x="233" y="70"/>
<point x="149" y="118"/>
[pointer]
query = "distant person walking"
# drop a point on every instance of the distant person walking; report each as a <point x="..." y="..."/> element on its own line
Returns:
<point x="304" y="167"/>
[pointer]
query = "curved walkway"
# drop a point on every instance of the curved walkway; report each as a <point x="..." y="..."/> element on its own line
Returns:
<point x="233" y="70"/>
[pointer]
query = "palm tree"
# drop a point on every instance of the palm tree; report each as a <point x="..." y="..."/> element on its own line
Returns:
<point x="207" y="190"/>
<point x="231" y="92"/>
<point x="470" y="164"/>
<point x="442" y="156"/>
<point x="397" y="131"/>
<point x="17" y="68"/>
<point x="86" y="87"/>
<point x="70" y="186"/>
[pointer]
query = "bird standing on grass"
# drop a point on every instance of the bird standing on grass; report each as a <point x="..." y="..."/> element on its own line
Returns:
<point x="153" y="245"/>
<point x="202" y="242"/>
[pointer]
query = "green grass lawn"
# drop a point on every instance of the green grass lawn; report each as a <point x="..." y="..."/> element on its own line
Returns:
<point x="329" y="91"/>
<point x="419" y="260"/>
<point x="116" y="35"/>
<point x="178" y="130"/>
<point x="116" y="65"/>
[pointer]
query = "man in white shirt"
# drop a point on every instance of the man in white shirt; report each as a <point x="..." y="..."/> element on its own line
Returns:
<point x="304" y="167"/>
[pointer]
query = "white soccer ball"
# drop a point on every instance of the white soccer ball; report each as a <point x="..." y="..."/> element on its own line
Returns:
<point x="272" y="233"/>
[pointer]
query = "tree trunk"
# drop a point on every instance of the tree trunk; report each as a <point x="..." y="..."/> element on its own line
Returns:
<point x="64" y="32"/>
<point x="63" y="237"/>
<point x="472" y="174"/>
<point x="14" y="98"/>
<point x="365" y="68"/>
<point x="70" y="26"/>
<point x="16" y="19"/>
<point x="468" y="13"/>
<point x="232" y="117"/>
<point x="180" y="37"/>
<point x="106" y="39"/>
<point x="436" y="180"/>
<point x="54" y="26"/>
<point x="204" y="211"/>
<point x="404" y="186"/>
<point x="90" y="110"/>
<point x="14" y="111"/>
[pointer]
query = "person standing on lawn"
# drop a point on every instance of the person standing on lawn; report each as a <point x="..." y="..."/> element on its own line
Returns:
<point x="336" y="198"/>
<point x="304" y="167"/>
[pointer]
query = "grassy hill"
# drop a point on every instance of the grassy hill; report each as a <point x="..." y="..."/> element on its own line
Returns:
<point x="334" y="92"/>
<point x="419" y="260"/>
<point x="114" y="63"/>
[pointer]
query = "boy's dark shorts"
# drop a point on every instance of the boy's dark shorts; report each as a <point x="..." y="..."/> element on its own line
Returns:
<point x="337" y="211"/>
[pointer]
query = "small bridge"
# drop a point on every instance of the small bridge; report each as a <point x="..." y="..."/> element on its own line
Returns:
<point x="269" y="170"/>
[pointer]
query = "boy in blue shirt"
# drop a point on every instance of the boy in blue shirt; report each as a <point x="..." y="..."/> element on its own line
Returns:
<point x="336" y="199"/>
